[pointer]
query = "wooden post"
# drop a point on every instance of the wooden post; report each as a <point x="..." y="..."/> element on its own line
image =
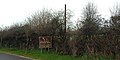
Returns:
<point x="65" y="42"/>
<point x="48" y="49"/>
<point x="41" y="50"/>
<point x="65" y="18"/>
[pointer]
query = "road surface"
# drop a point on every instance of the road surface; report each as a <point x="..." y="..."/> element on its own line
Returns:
<point x="4" y="56"/>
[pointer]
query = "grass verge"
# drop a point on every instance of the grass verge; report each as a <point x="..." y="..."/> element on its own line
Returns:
<point x="36" y="54"/>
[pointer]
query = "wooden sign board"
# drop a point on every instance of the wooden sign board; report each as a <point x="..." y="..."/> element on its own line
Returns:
<point x="45" y="42"/>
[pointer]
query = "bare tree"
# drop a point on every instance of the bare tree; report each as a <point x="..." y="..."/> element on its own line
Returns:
<point x="88" y="27"/>
<point x="90" y="19"/>
<point x="115" y="19"/>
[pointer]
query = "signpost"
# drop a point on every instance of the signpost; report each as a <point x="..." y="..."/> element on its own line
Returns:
<point x="45" y="42"/>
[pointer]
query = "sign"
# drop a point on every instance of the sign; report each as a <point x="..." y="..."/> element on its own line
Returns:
<point x="45" y="42"/>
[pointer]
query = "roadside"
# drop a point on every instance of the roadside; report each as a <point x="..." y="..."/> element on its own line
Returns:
<point x="15" y="55"/>
<point x="6" y="56"/>
<point x="37" y="55"/>
<point x="16" y="52"/>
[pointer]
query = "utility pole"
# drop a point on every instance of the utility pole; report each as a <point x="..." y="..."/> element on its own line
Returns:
<point x="65" y="19"/>
<point x="65" y="41"/>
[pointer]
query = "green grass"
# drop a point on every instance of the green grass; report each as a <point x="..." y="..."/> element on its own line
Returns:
<point x="36" y="54"/>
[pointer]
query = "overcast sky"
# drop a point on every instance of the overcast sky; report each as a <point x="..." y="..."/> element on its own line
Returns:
<point x="12" y="11"/>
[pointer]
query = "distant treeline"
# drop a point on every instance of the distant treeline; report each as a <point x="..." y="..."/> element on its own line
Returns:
<point x="92" y="34"/>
